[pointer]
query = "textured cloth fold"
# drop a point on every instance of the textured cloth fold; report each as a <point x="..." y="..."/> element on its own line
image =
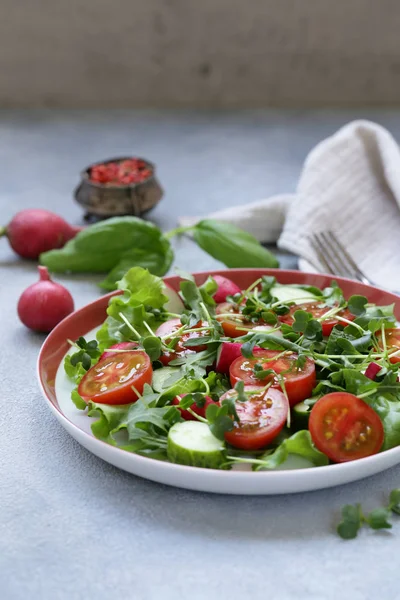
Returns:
<point x="350" y="183"/>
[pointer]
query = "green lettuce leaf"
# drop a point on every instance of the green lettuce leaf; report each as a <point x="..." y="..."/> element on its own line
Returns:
<point x="299" y="444"/>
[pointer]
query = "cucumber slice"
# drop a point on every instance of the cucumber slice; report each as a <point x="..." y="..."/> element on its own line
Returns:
<point x="286" y="293"/>
<point x="301" y="414"/>
<point x="192" y="443"/>
<point x="161" y="377"/>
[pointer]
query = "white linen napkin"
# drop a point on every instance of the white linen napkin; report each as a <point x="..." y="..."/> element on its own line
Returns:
<point x="350" y="183"/>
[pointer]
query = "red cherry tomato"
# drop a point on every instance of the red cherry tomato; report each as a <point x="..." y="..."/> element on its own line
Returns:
<point x="201" y="411"/>
<point x="299" y="382"/>
<point x="120" y="346"/>
<point x="261" y="418"/>
<point x="344" y="427"/>
<point x="110" y="381"/>
<point x="179" y="350"/>
<point x="237" y="324"/>
<point x="392" y="337"/>
<point x="317" y="310"/>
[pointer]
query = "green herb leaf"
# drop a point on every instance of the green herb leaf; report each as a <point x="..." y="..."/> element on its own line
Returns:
<point x="351" y="521"/>
<point x="241" y="395"/>
<point x="143" y="287"/>
<point x="218" y="420"/>
<point x="231" y="245"/>
<point x="78" y="400"/>
<point x="115" y="244"/>
<point x="378" y="518"/>
<point x="261" y="373"/>
<point x="394" y="501"/>
<point x="299" y="444"/>
<point x="356" y="305"/>
<point x="152" y="346"/>
<point x="301" y="319"/>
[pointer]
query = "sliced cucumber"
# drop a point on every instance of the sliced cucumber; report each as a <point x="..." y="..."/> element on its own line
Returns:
<point x="301" y="414"/>
<point x="287" y="293"/>
<point x="161" y="377"/>
<point x="192" y="443"/>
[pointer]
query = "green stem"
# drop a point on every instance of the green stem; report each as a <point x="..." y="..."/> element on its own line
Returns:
<point x="3" y="231"/>
<point x="178" y="231"/>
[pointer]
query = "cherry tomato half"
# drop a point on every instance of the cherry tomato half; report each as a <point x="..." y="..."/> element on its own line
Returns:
<point x="392" y="337"/>
<point x="179" y="350"/>
<point x="299" y="382"/>
<point x="261" y="418"/>
<point x="236" y="325"/>
<point x="201" y="411"/>
<point x="110" y="381"/>
<point x="344" y="427"/>
<point x="317" y="310"/>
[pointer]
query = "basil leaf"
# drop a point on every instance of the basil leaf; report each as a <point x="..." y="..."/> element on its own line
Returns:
<point x="231" y="245"/>
<point x="124" y="241"/>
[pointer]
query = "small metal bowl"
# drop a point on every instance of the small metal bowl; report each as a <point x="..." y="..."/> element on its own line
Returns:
<point x="103" y="200"/>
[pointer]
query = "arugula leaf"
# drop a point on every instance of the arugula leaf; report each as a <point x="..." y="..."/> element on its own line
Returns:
<point x="299" y="444"/>
<point x="141" y="415"/>
<point x="231" y="245"/>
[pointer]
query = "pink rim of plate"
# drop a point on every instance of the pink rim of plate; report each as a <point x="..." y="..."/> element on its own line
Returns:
<point x="92" y="315"/>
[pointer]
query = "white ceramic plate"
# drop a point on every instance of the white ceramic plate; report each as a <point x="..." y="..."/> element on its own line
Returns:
<point x="56" y="391"/>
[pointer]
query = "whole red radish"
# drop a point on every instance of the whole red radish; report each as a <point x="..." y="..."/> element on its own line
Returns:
<point x="226" y="287"/>
<point x="44" y="304"/>
<point x="35" y="230"/>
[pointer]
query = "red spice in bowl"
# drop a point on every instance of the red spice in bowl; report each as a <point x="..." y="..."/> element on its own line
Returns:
<point x="125" y="172"/>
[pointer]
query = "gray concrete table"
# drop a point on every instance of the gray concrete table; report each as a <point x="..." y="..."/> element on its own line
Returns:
<point x="74" y="527"/>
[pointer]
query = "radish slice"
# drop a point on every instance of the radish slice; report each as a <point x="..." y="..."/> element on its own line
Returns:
<point x="227" y="353"/>
<point x="174" y="304"/>
<point x="226" y="287"/>
<point x="372" y="370"/>
<point x="267" y="329"/>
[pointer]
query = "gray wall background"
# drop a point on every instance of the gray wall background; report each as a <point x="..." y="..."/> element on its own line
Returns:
<point x="199" y="53"/>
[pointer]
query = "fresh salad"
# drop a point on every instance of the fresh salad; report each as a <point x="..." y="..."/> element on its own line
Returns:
<point x="274" y="376"/>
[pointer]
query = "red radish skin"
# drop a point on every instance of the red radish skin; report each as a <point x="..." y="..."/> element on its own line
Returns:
<point x="186" y="415"/>
<point x="44" y="304"/>
<point x="34" y="230"/>
<point x="227" y="353"/>
<point x="372" y="370"/>
<point x="120" y="346"/>
<point x="226" y="287"/>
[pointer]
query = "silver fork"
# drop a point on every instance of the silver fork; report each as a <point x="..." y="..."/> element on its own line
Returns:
<point x="335" y="258"/>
